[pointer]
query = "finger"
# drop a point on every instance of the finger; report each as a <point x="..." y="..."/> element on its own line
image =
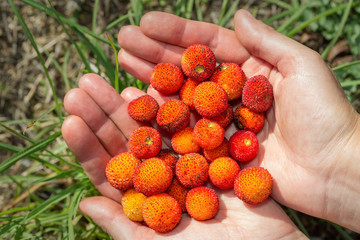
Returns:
<point x="131" y="37"/>
<point x="178" y="31"/>
<point x="265" y="43"/>
<point x="109" y="215"/>
<point x="78" y="102"/>
<point x="137" y="67"/>
<point x="91" y="154"/>
<point x="110" y="101"/>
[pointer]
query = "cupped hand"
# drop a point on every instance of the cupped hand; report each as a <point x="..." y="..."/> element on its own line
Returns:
<point x="298" y="142"/>
<point x="98" y="128"/>
<point x="308" y="140"/>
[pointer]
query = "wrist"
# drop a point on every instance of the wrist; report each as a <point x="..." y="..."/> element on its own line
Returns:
<point x="342" y="204"/>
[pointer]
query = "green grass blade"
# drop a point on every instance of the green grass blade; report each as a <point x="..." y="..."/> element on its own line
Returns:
<point x="223" y="11"/>
<point x="58" y="197"/>
<point x="308" y="22"/>
<point x="72" y="211"/>
<point x="189" y="9"/>
<point x="339" y="31"/>
<point x="298" y="222"/>
<point x="344" y="65"/>
<point x="99" y="53"/>
<point x="69" y="22"/>
<point x="137" y="11"/>
<point x="62" y="175"/>
<point x="199" y="14"/>
<point x="230" y="13"/>
<point x="279" y="16"/>
<point x="292" y="19"/>
<point x="79" y="51"/>
<point x="280" y="4"/>
<point x="41" y="59"/>
<point x="17" y="150"/>
<point x="295" y="3"/>
<point x="115" y="23"/>
<point x="116" y="77"/>
<point x="344" y="234"/>
<point x="28" y="151"/>
<point x="350" y="83"/>
<point x="94" y="16"/>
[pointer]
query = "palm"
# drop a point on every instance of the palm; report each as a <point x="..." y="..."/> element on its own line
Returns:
<point x="99" y="127"/>
<point x="293" y="141"/>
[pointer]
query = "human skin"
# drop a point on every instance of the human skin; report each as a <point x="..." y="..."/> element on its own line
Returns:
<point x="309" y="142"/>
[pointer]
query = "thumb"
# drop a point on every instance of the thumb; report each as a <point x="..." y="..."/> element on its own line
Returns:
<point x="265" y="43"/>
<point x="109" y="215"/>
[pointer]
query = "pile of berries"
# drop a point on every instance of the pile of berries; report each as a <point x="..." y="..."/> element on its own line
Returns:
<point x="160" y="183"/>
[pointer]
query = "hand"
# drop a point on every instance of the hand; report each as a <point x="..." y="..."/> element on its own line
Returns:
<point x="98" y="128"/>
<point x="310" y="140"/>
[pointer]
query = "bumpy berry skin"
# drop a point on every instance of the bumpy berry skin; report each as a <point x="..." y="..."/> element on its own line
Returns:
<point x="145" y="142"/>
<point x="183" y="142"/>
<point x="231" y="78"/>
<point x="179" y="192"/>
<point x="173" y="116"/>
<point x="243" y="145"/>
<point x="253" y="185"/>
<point x="223" y="171"/>
<point x="120" y="169"/>
<point x="132" y="202"/>
<point x="161" y="212"/>
<point x="258" y="94"/>
<point x="220" y="151"/>
<point x="210" y="99"/>
<point x="202" y="203"/>
<point x="170" y="157"/>
<point x="245" y="119"/>
<point x="186" y="92"/>
<point x="143" y="108"/>
<point x="192" y="170"/>
<point x="208" y="134"/>
<point x="224" y="118"/>
<point x="198" y="62"/>
<point x="167" y="78"/>
<point x="153" y="176"/>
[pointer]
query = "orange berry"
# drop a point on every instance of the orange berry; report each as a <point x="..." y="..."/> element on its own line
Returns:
<point x="161" y="212"/>
<point x="253" y="185"/>
<point x="143" y="108"/>
<point x="153" y="176"/>
<point x="220" y="151"/>
<point x="173" y="116"/>
<point x="169" y="157"/>
<point x="120" y="169"/>
<point x="202" y="203"/>
<point x="167" y="78"/>
<point x="192" y="170"/>
<point x="145" y="142"/>
<point x="183" y="142"/>
<point x="178" y="191"/>
<point x="223" y="171"/>
<point x="208" y="134"/>
<point x="132" y="202"/>
<point x="258" y="94"/>
<point x="198" y="62"/>
<point x="186" y="92"/>
<point x="210" y="99"/>
<point x="231" y="78"/>
<point x="243" y="145"/>
<point x="224" y="118"/>
<point x="245" y="119"/>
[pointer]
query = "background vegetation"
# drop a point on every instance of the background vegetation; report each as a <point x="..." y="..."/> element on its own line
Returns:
<point x="47" y="45"/>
